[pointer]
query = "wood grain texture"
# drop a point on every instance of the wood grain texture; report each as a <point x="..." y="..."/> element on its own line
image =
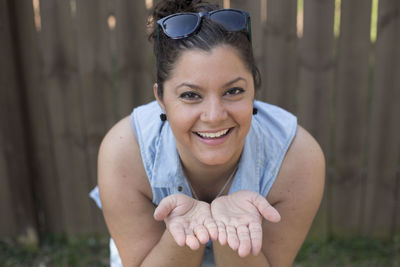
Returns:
<point x="382" y="201"/>
<point x="18" y="209"/>
<point x="280" y="44"/>
<point x="257" y="26"/>
<point x="351" y="116"/>
<point x="41" y="152"/>
<point x="61" y="83"/>
<point x="315" y="85"/>
<point x="134" y="56"/>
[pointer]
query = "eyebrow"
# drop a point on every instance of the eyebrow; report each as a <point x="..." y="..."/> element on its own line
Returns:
<point x="199" y="88"/>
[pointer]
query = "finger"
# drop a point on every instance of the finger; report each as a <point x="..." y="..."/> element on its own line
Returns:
<point x="222" y="237"/>
<point x="201" y="233"/>
<point x="164" y="208"/>
<point x="178" y="233"/>
<point x="256" y="238"/>
<point x="191" y="240"/>
<point x="233" y="240"/>
<point x="244" y="240"/>
<point x="266" y="210"/>
<point x="211" y="228"/>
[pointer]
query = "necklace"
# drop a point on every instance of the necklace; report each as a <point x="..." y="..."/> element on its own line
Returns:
<point x="223" y="188"/>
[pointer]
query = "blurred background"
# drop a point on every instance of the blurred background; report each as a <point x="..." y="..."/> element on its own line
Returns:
<point x="70" y="69"/>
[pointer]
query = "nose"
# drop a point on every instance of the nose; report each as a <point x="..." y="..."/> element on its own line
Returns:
<point x="213" y="111"/>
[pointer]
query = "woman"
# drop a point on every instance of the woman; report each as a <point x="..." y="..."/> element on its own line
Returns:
<point x="206" y="175"/>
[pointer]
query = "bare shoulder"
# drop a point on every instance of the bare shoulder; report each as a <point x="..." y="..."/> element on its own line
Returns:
<point x="126" y="195"/>
<point x="302" y="171"/>
<point x="119" y="158"/>
<point x="296" y="194"/>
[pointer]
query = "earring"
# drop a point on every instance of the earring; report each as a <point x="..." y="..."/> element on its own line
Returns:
<point x="163" y="117"/>
<point x="255" y="111"/>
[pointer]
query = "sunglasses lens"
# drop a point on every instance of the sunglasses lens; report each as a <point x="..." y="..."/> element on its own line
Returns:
<point x="231" y="20"/>
<point x="180" y="26"/>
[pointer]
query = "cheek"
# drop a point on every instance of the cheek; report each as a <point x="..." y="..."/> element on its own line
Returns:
<point x="181" y="119"/>
<point x="245" y="123"/>
<point x="243" y="112"/>
<point x="243" y="119"/>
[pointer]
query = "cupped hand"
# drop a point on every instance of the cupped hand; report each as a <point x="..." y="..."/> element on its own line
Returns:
<point x="239" y="217"/>
<point x="188" y="220"/>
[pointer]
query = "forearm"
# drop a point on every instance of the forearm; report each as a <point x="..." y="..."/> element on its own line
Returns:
<point x="167" y="253"/>
<point x="225" y="256"/>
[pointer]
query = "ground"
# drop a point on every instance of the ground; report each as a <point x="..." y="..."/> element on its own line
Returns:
<point x="93" y="251"/>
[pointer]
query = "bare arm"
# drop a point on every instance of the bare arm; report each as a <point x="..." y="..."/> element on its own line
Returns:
<point x="296" y="194"/>
<point x="128" y="210"/>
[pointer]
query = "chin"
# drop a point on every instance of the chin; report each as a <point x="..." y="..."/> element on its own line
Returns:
<point x="214" y="160"/>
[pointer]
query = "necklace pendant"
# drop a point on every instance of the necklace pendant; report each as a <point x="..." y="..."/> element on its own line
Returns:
<point x="194" y="195"/>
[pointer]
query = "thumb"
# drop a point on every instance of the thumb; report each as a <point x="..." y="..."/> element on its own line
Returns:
<point x="265" y="209"/>
<point x="165" y="207"/>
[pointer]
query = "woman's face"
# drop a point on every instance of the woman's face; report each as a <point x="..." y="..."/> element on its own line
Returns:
<point x="208" y="100"/>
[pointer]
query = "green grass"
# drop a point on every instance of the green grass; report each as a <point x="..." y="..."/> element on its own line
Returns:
<point x="56" y="251"/>
<point x="350" y="252"/>
<point x="93" y="251"/>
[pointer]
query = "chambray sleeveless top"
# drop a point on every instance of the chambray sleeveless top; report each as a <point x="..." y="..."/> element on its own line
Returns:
<point x="271" y="133"/>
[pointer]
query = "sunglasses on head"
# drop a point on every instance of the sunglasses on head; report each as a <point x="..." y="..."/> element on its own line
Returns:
<point x="182" y="25"/>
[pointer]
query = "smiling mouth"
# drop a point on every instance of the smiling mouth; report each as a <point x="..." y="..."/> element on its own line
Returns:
<point x="215" y="135"/>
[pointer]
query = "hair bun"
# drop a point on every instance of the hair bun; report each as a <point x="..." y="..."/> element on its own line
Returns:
<point x="167" y="7"/>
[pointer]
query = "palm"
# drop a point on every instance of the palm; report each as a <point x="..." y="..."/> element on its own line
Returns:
<point x="188" y="220"/>
<point x="238" y="217"/>
<point x="235" y="209"/>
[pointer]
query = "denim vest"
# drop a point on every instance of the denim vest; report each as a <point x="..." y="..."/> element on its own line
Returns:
<point x="271" y="133"/>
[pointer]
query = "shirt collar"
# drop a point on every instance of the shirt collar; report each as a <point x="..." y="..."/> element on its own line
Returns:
<point x="167" y="169"/>
<point x="249" y="172"/>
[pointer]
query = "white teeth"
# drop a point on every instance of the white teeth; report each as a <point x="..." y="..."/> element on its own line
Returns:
<point x="213" y="135"/>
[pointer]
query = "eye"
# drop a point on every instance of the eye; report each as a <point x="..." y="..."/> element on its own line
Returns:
<point x="191" y="96"/>
<point x="234" y="91"/>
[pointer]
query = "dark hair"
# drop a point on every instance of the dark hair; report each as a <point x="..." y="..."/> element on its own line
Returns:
<point x="209" y="35"/>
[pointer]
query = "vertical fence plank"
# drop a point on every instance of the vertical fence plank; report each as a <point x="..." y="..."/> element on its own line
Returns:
<point x="13" y="136"/>
<point x="279" y="79"/>
<point x="351" y="119"/>
<point x="316" y="76"/>
<point x="96" y="81"/>
<point x="8" y="226"/>
<point x="396" y="216"/>
<point x="385" y="126"/>
<point x="43" y="172"/>
<point x="133" y="56"/>
<point x="316" y="69"/>
<point x="257" y="27"/>
<point x="65" y="107"/>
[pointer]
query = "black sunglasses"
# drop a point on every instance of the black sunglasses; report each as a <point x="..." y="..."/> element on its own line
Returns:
<point x="182" y="25"/>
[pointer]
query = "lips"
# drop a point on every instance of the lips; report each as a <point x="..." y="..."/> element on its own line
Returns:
<point x="213" y="135"/>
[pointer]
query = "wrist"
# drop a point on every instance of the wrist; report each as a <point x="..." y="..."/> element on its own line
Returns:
<point x="226" y="256"/>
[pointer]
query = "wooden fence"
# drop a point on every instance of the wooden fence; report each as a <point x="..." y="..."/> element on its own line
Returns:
<point x="70" y="69"/>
